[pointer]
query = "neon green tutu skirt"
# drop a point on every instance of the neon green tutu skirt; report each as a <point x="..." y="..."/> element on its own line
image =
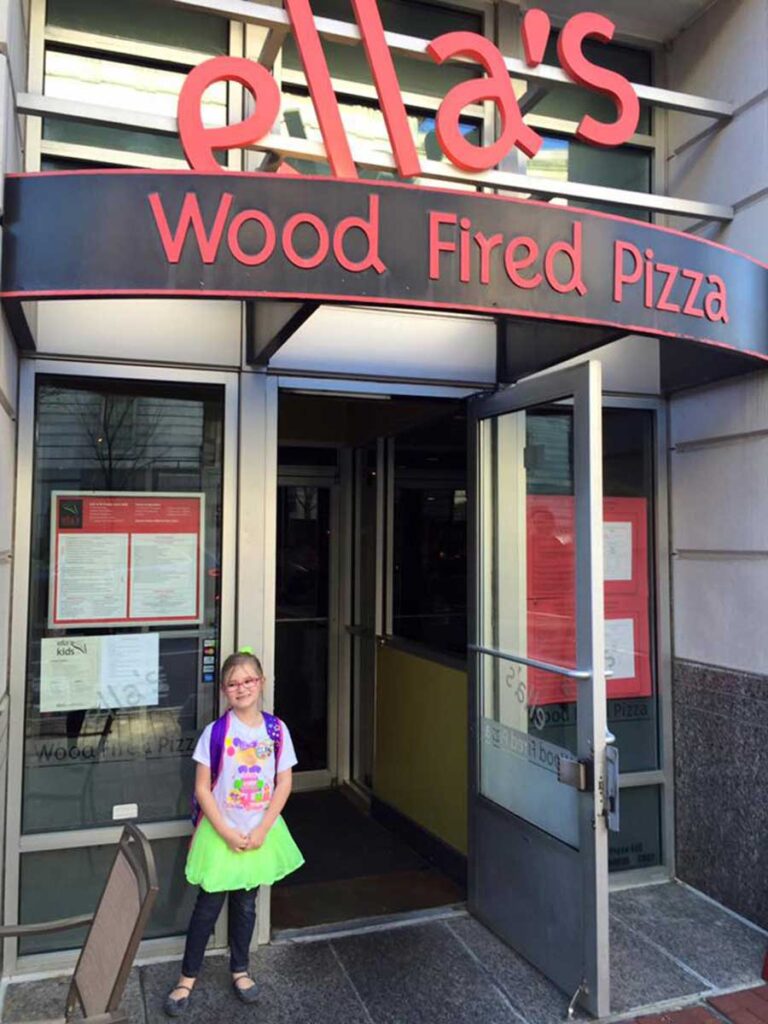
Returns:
<point x="213" y="866"/>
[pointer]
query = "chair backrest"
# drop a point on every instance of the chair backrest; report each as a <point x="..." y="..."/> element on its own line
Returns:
<point x="113" y="937"/>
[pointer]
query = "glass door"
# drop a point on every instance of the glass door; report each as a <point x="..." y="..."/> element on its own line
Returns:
<point x="305" y="642"/>
<point x="127" y="607"/>
<point x="538" y="831"/>
<point x="366" y="606"/>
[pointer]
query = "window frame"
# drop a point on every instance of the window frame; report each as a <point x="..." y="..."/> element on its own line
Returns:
<point x="501" y="25"/>
<point x="43" y="37"/>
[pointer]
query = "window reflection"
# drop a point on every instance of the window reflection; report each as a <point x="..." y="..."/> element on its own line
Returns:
<point x="572" y="104"/>
<point x="144" y="21"/>
<point x="85" y="758"/>
<point x="112" y="83"/>
<point x="365" y="127"/>
<point x="561" y="159"/>
<point x="422" y="20"/>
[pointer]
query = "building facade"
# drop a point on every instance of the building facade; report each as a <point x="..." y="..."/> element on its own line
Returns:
<point x="325" y="445"/>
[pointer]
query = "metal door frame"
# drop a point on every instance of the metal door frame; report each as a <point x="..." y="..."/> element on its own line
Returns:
<point x="663" y="777"/>
<point x="587" y="868"/>
<point x="17" y="844"/>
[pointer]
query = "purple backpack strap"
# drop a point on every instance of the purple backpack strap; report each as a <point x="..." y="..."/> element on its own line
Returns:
<point x="218" y="735"/>
<point x="275" y="733"/>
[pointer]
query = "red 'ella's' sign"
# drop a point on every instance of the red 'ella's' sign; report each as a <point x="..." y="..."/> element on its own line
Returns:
<point x="495" y="86"/>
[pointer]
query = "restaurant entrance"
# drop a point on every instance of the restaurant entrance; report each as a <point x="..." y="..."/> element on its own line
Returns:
<point x="367" y="857"/>
<point x="373" y="500"/>
<point x="359" y="565"/>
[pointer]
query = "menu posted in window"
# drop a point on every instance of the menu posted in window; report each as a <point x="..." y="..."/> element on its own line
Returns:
<point x="551" y="593"/>
<point x="126" y="559"/>
<point x="87" y="673"/>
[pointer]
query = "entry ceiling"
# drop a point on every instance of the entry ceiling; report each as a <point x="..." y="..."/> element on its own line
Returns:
<point x="655" y="20"/>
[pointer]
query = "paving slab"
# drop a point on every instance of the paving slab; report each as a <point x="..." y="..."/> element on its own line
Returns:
<point x="723" y="950"/>
<point x="667" y="943"/>
<point x="421" y="975"/>
<point x="533" y="996"/>
<point x="300" y="984"/>
<point x="45" y="1000"/>
<point x="642" y="974"/>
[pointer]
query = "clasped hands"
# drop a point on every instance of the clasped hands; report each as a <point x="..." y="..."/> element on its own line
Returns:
<point x="242" y="841"/>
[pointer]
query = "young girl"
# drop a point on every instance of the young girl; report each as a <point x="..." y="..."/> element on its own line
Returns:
<point x="242" y="782"/>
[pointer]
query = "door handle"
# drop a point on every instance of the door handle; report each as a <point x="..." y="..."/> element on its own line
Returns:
<point x="612" y="788"/>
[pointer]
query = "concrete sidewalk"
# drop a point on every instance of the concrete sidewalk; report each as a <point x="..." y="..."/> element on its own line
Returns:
<point x="669" y="947"/>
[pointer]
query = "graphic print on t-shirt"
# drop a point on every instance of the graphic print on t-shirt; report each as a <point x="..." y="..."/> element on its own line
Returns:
<point x="246" y="781"/>
<point x="250" y="790"/>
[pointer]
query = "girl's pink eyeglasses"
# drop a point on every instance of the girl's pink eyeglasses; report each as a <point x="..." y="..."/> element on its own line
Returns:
<point x="245" y="684"/>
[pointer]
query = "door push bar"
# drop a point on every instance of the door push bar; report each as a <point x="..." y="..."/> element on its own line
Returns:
<point x="572" y="772"/>
<point x="569" y="673"/>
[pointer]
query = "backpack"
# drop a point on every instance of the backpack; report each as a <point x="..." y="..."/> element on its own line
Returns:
<point x="218" y="735"/>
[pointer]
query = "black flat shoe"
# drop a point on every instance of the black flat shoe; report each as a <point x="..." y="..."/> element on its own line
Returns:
<point x="246" y="995"/>
<point x="175" y="1007"/>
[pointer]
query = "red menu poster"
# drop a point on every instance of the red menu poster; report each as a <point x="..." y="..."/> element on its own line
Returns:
<point x="551" y="584"/>
<point x="124" y="559"/>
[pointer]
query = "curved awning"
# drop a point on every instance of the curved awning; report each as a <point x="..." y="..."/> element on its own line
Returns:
<point x="559" y="280"/>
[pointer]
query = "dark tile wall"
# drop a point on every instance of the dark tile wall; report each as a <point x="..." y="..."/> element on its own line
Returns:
<point x="721" y="776"/>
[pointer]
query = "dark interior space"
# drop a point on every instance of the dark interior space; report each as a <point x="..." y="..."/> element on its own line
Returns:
<point x="355" y="867"/>
<point x="364" y="860"/>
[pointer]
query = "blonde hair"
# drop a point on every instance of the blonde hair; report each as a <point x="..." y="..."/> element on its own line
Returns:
<point x="235" y="660"/>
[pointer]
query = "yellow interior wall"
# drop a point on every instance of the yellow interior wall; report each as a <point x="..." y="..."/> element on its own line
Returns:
<point x="420" y="764"/>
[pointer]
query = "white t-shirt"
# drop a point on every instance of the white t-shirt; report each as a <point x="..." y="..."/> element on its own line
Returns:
<point x="246" y="780"/>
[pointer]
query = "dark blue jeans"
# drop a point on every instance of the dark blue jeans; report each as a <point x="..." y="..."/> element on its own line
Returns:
<point x="242" y="919"/>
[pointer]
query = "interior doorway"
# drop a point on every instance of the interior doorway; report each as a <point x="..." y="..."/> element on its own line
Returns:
<point x="363" y="806"/>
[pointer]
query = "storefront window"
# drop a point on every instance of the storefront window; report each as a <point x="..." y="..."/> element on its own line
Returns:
<point x="365" y="127"/>
<point x="572" y="104"/>
<point x="79" y="67"/>
<point x="629" y="574"/>
<point x="86" y="870"/>
<point x="564" y="159"/>
<point x="142" y="21"/>
<point x="124" y="599"/>
<point x="422" y="20"/>
<point x="638" y="844"/>
<point x="633" y="709"/>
